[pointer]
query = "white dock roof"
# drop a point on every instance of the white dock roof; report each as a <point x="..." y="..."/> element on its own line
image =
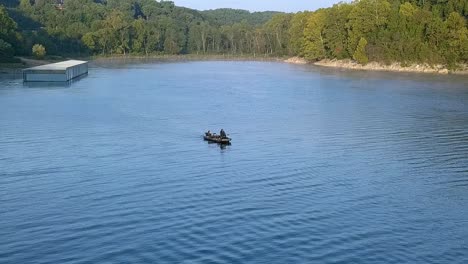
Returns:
<point x="63" y="65"/>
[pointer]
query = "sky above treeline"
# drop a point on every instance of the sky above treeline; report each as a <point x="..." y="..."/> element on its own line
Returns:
<point x="257" y="5"/>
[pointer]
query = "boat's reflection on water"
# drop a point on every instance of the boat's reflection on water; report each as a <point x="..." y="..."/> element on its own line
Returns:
<point x="221" y="145"/>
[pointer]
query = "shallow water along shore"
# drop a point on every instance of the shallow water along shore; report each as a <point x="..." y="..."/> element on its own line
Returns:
<point x="344" y="64"/>
<point x="394" y="67"/>
<point x="189" y="57"/>
<point x="375" y="66"/>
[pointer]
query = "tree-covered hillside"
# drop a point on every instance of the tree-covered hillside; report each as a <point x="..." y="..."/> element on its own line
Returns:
<point x="227" y="16"/>
<point x="80" y="27"/>
<point x="430" y="31"/>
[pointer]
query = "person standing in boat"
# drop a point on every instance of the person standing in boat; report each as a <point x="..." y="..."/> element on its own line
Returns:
<point x="222" y="133"/>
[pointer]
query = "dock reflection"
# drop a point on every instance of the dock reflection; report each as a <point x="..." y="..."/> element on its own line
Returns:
<point x="47" y="85"/>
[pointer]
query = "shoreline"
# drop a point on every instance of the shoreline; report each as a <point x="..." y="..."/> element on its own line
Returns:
<point x="16" y="68"/>
<point x="375" y="66"/>
<point x="189" y="57"/>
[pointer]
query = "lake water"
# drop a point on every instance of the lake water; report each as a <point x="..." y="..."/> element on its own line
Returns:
<point x="326" y="166"/>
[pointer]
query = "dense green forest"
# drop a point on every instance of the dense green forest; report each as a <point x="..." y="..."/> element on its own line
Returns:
<point x="430" y="31"/>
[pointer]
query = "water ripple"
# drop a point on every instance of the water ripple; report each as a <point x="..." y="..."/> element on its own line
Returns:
<point x="325" y="167"/>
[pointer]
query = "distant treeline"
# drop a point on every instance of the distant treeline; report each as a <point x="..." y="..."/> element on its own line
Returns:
<point x="431" y="31"/>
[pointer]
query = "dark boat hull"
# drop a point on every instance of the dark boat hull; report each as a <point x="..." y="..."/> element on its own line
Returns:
<point x="218" y="140"/>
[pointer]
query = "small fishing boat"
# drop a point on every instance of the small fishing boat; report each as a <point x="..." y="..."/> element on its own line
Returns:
<point x="217" y="139"/>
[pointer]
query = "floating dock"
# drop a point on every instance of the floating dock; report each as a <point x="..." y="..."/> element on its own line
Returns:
<point x="56" y="72"/>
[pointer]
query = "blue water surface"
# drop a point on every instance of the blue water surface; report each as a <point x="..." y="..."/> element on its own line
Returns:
<point x="326" y="166"/>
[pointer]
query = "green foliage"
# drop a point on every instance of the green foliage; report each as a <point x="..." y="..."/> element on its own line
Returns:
<point x="38" y="51"/>
<point x="8" y="35"/>
<point x="228" y="16"/>
<point x="146" y="36"/>
<point x="457" y="39"/>
<point x="89" y="40"/>
<point x="8" y="26"/>
<point x="314" y="44"/>
<point x="430" y="31"/>
<point x="388" y="31"/>
<point x="360" y="53"/>
<point x="25" y="6"/>
<point x="9" y="3"/>
<point x="147" y="26"/>
<point x="277" y="29"/>
<point x="6" y="50"/>
<point x="366" y="19"/>
<point x="335" y="31"/>
<point x="296" y="32"/>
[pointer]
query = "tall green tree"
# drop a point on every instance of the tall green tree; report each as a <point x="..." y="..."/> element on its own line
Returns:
<point x="360" y="54"/>
<point x="334" y="31"/>
<point x="146" y="36"/>
<point x="278" y="27"/>
<point x="296" y="32"/>
<point x="8" y="35"/>
<point x="457" y="39"/>
<point x="366" y="18"/>
<point x="314" y="44"/>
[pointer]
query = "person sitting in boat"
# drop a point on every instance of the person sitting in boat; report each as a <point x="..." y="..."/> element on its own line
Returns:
<point x="222" y="133"/>
<point x="208" y="134"/>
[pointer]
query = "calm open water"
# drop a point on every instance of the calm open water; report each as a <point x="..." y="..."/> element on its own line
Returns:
<point x="326" y="166"/>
